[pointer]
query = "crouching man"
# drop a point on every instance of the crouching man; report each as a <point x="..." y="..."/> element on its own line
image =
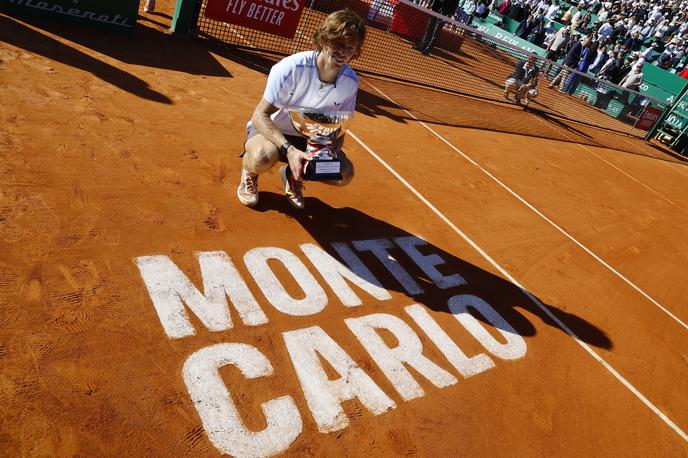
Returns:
<point x="523" y="82"/>
<point x="319" y="80"/>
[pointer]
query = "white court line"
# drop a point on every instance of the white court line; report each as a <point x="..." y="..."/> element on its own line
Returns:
<point x="535" y="300"/>
<point x="538" y="212"/>
<point x="561" y="131"/>
<point x="241" y="37"/>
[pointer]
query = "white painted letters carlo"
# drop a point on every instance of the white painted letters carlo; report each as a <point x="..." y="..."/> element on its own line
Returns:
<point x="174" y="296"/>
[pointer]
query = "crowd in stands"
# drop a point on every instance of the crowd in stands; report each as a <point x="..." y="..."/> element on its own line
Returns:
<point x="615" y="37"/>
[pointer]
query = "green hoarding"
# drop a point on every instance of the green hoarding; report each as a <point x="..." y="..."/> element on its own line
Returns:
<point x="661" y="78"/>
<point x="112" y="14"/>
<point x="492" y="30"/>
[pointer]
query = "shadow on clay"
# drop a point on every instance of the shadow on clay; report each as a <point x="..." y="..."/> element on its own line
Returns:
<point x="328" y="225"/>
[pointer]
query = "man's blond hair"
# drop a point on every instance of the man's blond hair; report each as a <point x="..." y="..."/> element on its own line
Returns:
<point x="340" y="26"/>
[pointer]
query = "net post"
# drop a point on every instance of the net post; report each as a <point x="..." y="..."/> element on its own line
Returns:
<point x="184" y="19"/>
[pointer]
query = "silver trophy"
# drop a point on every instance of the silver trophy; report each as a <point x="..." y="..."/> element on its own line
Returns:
<point x="322" y="130"/>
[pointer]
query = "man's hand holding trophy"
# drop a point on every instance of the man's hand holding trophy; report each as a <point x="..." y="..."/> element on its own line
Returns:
<point x="322" y="131"/>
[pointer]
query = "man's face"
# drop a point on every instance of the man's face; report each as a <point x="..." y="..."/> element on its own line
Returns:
<point x="341" y="52"/>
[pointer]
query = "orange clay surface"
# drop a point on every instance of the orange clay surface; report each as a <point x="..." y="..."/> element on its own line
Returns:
<point x="116" y="147"/>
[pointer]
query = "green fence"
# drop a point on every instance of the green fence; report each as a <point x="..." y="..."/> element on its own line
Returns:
<point x="488" y="27"/>
<point x="665" y="84"/>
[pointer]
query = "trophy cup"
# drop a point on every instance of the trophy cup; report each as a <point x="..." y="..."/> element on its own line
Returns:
<point x="321" y="130"/>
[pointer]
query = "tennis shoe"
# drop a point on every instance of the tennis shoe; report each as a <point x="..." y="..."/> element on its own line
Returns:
<point x="247" y="192"/>
<point x="292" y="188"/>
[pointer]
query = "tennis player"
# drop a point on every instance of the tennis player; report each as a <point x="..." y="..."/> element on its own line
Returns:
<point x="320" y="80"/>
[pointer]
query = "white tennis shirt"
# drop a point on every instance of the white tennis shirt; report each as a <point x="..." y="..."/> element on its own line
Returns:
<point x="294" y="82"/>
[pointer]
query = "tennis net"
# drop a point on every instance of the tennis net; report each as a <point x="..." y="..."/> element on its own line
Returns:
<point x="461" y="60"/>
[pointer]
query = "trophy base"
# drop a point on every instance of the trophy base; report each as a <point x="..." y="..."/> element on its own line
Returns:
<point x="324" y="170"/>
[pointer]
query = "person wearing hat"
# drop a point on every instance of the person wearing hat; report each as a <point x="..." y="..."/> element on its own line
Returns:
<point x="633" y="79"/>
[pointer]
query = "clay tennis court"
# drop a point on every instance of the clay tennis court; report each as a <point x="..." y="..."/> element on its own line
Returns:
<point x="520" y="290"/>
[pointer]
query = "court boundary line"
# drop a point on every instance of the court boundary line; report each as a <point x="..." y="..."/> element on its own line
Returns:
<point x="536" y="211"/>
<point x="527" y="293"/>
<point x="585" y="147"/>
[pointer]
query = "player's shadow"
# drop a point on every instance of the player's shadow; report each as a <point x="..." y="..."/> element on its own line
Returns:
<point x="143" y="46"/>
<point x="33" y="41"/>
<point x="328" y="225"/>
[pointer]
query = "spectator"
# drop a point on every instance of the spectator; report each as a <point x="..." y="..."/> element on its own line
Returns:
<point x="648" y="54"/>
<point x="556" y="47"/>
<point x="677" y="55"/>
<point x="605" y="30"/>
<point x="602" y="16"/>
<point x="537" y="35"/>
<point x="566" y="17"/>
<point x="619" y="30"/>
<point x="584" y="26"/>
<point x="588" y="55"/>
<point x="633" y="42"/>
<point x="481" y="10"/>
<point x="525" y="27"/>
<point x="610" y="69"/>
<point x="661" y="31"/>
<point x="552" y="11"/>
<point x="576" y="19"/>
<point x="518" y="11"/>
<point x="633" y="79"/>
<point x="625" y="69"/>
<point x="603" y="54"/>
<point x="683" y="73"/>
<point x="468" y="11"/>
<point x="570" y="61"/>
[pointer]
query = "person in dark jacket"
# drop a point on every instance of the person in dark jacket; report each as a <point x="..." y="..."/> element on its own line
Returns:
<point x="537" y="35"/>
<point x="435" y="24"/>
<point x="523" y="81"/>
<point x="611" y="68"/>
<point x="517" y="11"/>
<point x="570" y="61"/>
<point x="525" y="27"/>
<point x="588" y="55"/>
<point x="625" y="69"/>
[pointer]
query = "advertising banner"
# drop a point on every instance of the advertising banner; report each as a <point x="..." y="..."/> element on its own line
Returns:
<point x="502" y="35"/>
<point x="648" y="118"/>
<point x="117" y="14"/>
<point x="278" y="17"/>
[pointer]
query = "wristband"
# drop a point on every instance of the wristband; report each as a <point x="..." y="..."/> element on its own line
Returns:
<point x="284" y="148"/>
